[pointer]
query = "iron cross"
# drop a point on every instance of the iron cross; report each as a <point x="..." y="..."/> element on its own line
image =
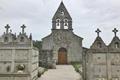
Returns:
<point x="7" y="28"/>
<point x="98" y="31"/>
<point x="23" y="28"/>
<point x="115" y="31"/>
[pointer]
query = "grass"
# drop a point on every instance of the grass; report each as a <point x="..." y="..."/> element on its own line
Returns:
<point x="76" y="66"/>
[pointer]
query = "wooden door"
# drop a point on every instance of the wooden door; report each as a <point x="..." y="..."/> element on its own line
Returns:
<point x="62" y="56"/>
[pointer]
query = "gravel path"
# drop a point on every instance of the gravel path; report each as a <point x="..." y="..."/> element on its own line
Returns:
<point x="62" y="72"/>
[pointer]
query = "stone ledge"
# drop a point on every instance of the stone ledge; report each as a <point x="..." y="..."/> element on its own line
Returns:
<point x="14" y="75"/>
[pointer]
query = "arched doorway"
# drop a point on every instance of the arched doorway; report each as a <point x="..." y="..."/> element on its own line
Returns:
<point x="62" y="56"/>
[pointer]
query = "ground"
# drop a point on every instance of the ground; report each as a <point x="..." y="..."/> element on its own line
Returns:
<point x="62" y="72"/>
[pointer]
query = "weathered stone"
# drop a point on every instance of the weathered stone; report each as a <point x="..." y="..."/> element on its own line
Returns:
<point x="18" y="57"/>
<point x="62" y="38"/>
<point x="103" y="62"/>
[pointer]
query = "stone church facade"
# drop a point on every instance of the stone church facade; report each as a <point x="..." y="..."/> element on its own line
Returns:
<point x="64" y="46"/>
<point x="18" y="57"/>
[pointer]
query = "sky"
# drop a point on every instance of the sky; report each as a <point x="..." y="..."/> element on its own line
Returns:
<point x="87" y="16"/>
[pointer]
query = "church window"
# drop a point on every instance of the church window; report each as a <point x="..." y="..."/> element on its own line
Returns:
<point x="22" y="39"/>
<point x="6" y="39"/>
<point x="116" y="45"/>
<point x="58" y="23"/>
<point x="65" y="24"/>
<point x="99" y="45"/>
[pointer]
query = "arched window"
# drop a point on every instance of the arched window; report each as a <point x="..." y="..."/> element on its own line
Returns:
<point x="99" y="45"/>
<point x="65" y="24"/>
<point x="6" y="39"/>
<point x="22" y="39"/>
<point x="116" y="45"/>
<point x="57" y="23"/>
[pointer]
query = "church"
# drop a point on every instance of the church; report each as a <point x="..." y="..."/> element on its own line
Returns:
<point x="19" y="58"/>
<point x="62" y="46"/>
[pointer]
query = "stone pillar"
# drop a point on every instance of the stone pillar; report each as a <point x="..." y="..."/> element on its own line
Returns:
<point x="13" y="60"/>
<point x="70" y="25"/>
<point x="30" y="60"/>
<point x="53" y="24"/>
<point x="61" y="24"/>
<point x="108" y="67"/>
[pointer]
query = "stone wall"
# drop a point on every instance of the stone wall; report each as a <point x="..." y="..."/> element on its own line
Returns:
<point x="18" y="57"/>
<point x="66" y="39"/>
<point x="103" y="62"/>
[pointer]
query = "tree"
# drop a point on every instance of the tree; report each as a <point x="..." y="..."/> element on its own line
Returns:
<point x="37" y="44"/>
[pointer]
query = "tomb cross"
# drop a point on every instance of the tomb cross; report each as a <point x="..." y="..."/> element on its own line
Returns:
<point x="7" y="28"/>
<point x="23" y="28"/>
<point x="115" y="31"/>
<point x="98" y="31"/>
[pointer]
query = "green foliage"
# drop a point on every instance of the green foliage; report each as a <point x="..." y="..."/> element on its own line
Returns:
<point x="37" y="44"/>
<point x="76" y="66"/>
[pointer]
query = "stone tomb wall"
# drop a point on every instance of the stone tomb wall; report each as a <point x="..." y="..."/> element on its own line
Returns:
<point x="104" y="66"/>
<point x="5" y="61"/>
<point x="10" y="59"/>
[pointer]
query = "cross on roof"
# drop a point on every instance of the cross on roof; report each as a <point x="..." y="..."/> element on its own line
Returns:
<point x="115" y="31"/>
<point x="98" y="31"/>
<point x="23" y="28"/>
<point x="7" y="28"/>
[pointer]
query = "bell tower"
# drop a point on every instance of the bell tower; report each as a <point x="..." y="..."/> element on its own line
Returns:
<point x="62" y="19"/>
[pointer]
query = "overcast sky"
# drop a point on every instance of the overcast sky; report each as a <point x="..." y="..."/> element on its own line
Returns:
<point x="87" y="15"/>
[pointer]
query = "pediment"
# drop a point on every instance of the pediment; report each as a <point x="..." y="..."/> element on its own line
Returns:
<point x="62" y="13"/>
<point x="115" y="43"/>
<point x="98" y="44"/>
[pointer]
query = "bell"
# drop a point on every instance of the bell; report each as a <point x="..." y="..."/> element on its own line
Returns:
<point x="57" y="24"/>
<point x="66" y="24"/>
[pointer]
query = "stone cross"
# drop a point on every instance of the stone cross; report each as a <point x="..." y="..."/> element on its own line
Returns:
<point x="98" y="31"/>
<point x="7" y="28"/>
<point x="23" y="28"/>
<point x="115" y="31"/>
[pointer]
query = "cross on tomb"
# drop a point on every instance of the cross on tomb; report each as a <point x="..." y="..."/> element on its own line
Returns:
<point x="7" y="28"/>
<point x="115" y="31"/>
<point x="23" y="28"/>
<point x="98" y="31"/>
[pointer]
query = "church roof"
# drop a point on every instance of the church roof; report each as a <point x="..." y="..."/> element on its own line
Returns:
<point x="61" y="9"/>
